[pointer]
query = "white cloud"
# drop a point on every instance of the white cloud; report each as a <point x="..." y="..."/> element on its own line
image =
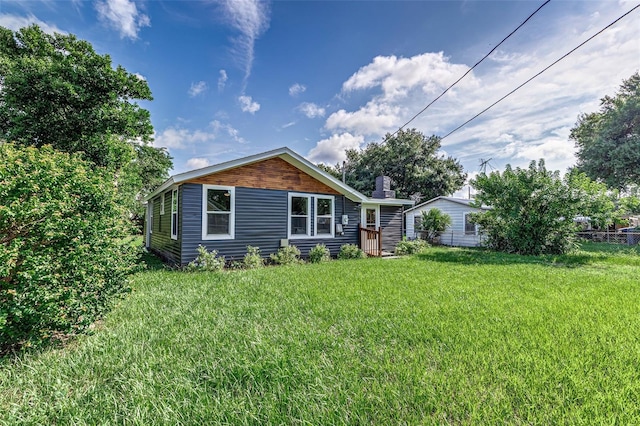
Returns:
<point x="374" y="118"/>
<point x="311" y="110"/>
<point x="332" y="150"/>
<point x="296" y="89"/>
<point x="247" y="104"/>
<point x="140" y="76"/>
<point x="251" y="19"/>
<point x="222" y="80"/>
<point x="229" y="130"/>
<point x="197" y="163"/>
<point x="289" y="124"/>
<point x="431" y="72"/>
<point x="178" y="138"/>
<point x="15" y="22"/>
<point x="197" y="88"/>
<point x="123" y="15"/>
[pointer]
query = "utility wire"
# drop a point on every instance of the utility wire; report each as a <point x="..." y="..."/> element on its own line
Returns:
<point x="545" y="69"/>
<point x="470" y="69"/>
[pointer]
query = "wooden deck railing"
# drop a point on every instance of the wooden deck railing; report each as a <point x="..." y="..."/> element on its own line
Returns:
<point x="371" y="241"/>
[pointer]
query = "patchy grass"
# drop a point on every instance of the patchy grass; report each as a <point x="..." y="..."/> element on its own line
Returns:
<point x="450" y="336"/>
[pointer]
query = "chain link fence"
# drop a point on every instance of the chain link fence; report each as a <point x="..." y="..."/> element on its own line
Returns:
<point x="629" y="238"/>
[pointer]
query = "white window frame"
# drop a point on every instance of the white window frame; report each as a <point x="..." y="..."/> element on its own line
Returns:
<point x="174" y="214"/>
<point x="162" y="202"/>
<point x="309" y="216"/>
<point x="316" y="216"/>
<point x="150" y="224"/>
<point x="417" y="220"/>
<point x="232" y="213"/>
<point x="464" y="225"/>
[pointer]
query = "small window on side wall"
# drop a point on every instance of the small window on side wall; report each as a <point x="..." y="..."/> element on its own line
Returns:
<point x="469" y="225"/>
<point x="174" y="214"/>
<point x="218" y="212"/>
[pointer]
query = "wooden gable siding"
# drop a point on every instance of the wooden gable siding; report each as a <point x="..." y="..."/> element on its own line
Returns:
<point x="274" y="173"/>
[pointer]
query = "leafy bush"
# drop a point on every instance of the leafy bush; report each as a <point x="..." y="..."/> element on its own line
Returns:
<point x="286" y="256"/>
<point x="319" y="253"/>
<point x="433" y="223"/>
<point x="351" y="251"/>
<point x="206" y="261"/>
<point x="405" y="247"/>
<point x="532" y="209"/>
<point x="253" y="259"/>
<point x="64" y="247"/>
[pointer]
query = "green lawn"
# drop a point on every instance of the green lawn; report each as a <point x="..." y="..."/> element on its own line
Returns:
<point x="449" y="337"/>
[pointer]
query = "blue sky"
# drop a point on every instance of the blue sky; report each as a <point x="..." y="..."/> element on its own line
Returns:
<point x="234" y="78"/>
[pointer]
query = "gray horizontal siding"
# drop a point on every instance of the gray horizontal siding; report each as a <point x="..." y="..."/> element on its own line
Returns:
<point x="161" y="242"/>
<point x="391" y="225"/>
<point x="260" y="221"/>
<point x="454" y="235"/>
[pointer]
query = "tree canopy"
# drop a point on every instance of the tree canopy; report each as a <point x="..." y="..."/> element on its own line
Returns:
<point x="412" y="162"/>
<point x="608" y="141"/>
<point x="56" y="90"/>
<point x="532" y="209"/>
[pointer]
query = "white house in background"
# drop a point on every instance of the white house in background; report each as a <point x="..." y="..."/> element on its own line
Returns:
<point x="462" y="232"/>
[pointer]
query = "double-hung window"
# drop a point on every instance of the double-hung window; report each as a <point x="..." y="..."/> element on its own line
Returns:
<point x="324" y="216"/>
<point x="218" y="212"/>
<point x="174" y="214"/>
<point x="299" y="214"/>
<point x="308" y="222"/>
<point x="469" y="225"/>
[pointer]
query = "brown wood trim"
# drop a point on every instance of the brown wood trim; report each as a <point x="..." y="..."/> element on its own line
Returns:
<point x="273" y="173"/>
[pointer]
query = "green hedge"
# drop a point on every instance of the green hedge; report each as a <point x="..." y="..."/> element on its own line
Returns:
<point x="64" y="248"/>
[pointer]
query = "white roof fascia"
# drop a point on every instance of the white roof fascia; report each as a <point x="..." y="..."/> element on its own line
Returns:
<point x="389" y="201"/>
<point x="451" y="199"/>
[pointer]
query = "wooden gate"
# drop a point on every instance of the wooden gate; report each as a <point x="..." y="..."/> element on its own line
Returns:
<point x="371" y="241"/>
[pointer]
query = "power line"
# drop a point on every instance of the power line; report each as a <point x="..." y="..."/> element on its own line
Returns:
<point x="471" y="69"/>
<point x="545" y="69"/>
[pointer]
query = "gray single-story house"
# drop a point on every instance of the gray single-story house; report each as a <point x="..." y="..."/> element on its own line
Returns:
<point x="268" y="200"/>
<point x="462" y="232"/>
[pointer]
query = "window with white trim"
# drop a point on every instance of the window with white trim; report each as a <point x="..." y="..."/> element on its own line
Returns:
<point x="162" y="203"/>
<point x="417" y="224"/>
<point x="324" y="216"/>
<point x="218" y="212"/>
<point x="299" y="212"/>
<point x="469" y="225"/>
<point x="307" y="223"/>
<point x="174" y="214"/>
<point x="150" y="224"/>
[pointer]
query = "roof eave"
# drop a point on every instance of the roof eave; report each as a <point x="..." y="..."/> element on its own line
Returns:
<point x="284" y="153"/>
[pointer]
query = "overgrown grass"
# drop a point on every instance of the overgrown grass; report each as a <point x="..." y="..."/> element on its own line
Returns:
<point x="448" y="337"/>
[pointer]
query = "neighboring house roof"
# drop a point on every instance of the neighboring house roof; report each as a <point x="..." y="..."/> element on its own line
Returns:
<point x="290" y="157"/>
<point x="463" y="201"/>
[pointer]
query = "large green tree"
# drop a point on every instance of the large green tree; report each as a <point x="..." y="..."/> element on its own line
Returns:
<point x="532" y="209"/>
<point x="56" y="90"/>
<point x="412" y="162"/>
<point x="608" y="141"/>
